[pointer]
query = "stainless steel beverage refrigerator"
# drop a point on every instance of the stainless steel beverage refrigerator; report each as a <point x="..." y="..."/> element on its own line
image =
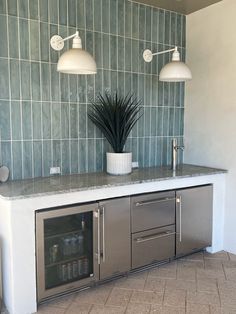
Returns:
<point x="67" y="241"/>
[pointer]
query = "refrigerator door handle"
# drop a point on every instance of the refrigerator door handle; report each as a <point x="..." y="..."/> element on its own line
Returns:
<point x="98" y="215"/>
<point x="103" y="235"/>
<point x="179" y="202"/>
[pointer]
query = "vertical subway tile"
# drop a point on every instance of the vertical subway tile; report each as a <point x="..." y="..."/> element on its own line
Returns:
<point x="113" y="52"/>
<point x="128" y="54"/>
<point x="47" y="157"/>
<point x="5" y="120"/>
<point x="167" y="27"/>
<point x="64" y="87"/>
<point x="82" y="156"/>
<point x="56" y="153"/>
<point x="121" y="17"/>
<point x="43" y="10"/>
<point x="73" y="120"/>
<point x="141" y="22"/>
<point x="27" y="159"/>
<point x="14" y="79"/>
<point x="34" y="40"/>
<point x="106" y="16"/>
<point x="121" y="54"/>
<point x="89" y="14"/>
<point x="23" y="9"/>
<point x="155" y="24"/>
<point x="82" y="121"/>
<point x="6" y="156"/>
<point x="135" y="20"/>
<point x="148" y="34"/>
<point x="106" y="81"/>
<point x="45" y="81"/>
<point x="128" y="14"/>
<point x="53" y="11"/>
<point x="24" y="38"/>
<point x="160" y="121"/>
<point x="37" y="160"/>
<point x="3" y="7"/>
<point x="89" y="42"/>
<point x="113" y="16"/>
<point x="98" y="82"/>
<point x="35" y="81"/>
<point x="179" y="26"/>
<point x="12" y="7"/>
<point x="97" y="15"/>
<point x="25" y="80"/>
<point x="173" y="28"/>
<point x="33" y="9"/>
<point x="91" y="155"/>
<point x="44" y="42"/>
<point x="183" y="31"/>
<point x="98" y="49"/>
<point x="80" y="14"/>
<point x="55" y="83"/>
<point x="120" y="83"/>
<point x="148" y="90"/>
<point x="63" y="12"/>
<point x="3" y="46"/>
<point x="16" y="120"/>
<point x="56" y="121"/>
<point x="135" y="55"/>
<point x="65" y="160"/>
<point x="161" y="26"/>
<point x="26" y="120"/>
<point x="17" y="160"/>
<point x="74" y="156"/>
<point x="72" y="13"/>
<point x="81" y="88"/>
<point x="99" y="155"/>
<point x="13" y="37"/>
<point x="37" y="117"/>
<point x="46" y="120"/>
<point x="90" y="88"/>
<point x="73" y="88"/>
<point x="106" y="51"/>
<point x="153" y="122"/>
<point x="113" y="81"/>
<point x="65" y="114"/>
<point x="154" y="98"/>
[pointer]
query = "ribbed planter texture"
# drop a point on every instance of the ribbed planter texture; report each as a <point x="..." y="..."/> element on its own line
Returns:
<point x="119" y="163"/>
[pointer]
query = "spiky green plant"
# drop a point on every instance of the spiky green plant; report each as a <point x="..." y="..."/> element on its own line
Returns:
<point x="115" y="116"/>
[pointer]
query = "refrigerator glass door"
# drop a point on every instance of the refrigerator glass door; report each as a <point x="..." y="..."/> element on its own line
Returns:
<point x="66" y="247"/>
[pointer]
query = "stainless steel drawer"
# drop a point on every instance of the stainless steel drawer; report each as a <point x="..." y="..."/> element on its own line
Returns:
<point x="153" y="245"/>
<point x="152" y="210"/>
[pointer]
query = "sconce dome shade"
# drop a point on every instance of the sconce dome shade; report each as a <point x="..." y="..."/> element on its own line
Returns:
<point x="76" y="61"/>
<point x="175" y="71"/>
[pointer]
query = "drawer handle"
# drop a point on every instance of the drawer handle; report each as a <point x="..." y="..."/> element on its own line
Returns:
<point x="154" y="236"/>
<point x="159" y="200"/>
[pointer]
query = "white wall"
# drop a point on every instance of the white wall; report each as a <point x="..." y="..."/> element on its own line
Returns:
<point x="210" y="117"/>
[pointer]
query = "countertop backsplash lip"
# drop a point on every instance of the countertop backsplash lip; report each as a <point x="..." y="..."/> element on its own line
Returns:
<point x="44" y="186"/>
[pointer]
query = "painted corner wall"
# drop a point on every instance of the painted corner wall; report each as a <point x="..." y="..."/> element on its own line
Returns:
<point x="210" y="113"/>
<point x="43" y="114"/>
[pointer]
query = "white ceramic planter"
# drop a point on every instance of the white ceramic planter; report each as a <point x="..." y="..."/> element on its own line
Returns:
<point x="119" y="163"/>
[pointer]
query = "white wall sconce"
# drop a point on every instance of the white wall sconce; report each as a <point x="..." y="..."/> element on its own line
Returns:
<point x="174" y="71"/>
<point x="75" y="60"/>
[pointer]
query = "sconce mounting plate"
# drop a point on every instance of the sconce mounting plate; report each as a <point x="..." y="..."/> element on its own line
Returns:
<point x="57" y="42"/>
<point x="147" y="55"/>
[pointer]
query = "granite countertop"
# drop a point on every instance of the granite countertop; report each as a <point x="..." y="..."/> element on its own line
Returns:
<point x="80" y="182"/>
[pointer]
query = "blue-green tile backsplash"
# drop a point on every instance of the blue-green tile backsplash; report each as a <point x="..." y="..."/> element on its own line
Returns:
<point x="43" y="114"/>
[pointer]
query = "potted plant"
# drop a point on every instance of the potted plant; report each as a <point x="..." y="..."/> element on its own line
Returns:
<point x="115" y="116"/>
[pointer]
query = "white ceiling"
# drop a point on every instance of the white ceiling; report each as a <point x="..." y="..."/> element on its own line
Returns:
<point x="181" y="6"/>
